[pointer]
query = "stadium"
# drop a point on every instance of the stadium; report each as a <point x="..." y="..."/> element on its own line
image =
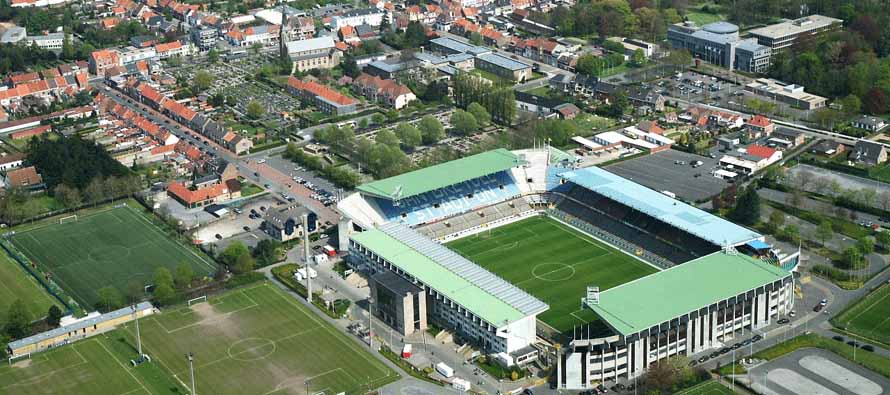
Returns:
<point x="526" y="257"/>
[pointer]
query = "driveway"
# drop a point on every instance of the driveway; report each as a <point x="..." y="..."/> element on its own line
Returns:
<point x="816" y="372"/>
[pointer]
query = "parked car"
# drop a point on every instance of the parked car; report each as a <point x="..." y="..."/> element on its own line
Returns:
<point x="783" y="321"/>
<point x="868" y="347"/>
<point x="818" y="308"/>
<point x="838" y="338"/>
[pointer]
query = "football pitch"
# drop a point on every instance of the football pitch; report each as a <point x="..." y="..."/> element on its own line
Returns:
<point x="709" y="387"/>
<point x="112" y="247"/>
<point x="16" y="283"/>
<point x="870" y="317"/>
<point x="258" y="340"/>
<point x="554" y="263"/>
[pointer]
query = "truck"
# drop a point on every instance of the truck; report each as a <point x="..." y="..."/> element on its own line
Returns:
<point x="406" y="351"/>
<point x="444" y="369"/>
<point x="460" y="384"/>
<point x="329" y="250"/>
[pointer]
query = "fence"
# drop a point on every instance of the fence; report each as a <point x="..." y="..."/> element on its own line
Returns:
<point x="49" y="285"/>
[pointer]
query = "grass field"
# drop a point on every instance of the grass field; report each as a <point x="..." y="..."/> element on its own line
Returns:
<point x="91" y="366"/>
<point x="709" y="387"/>
<point x="112" y="247"/>
<point x="258" y="340"/>
<point x="15" y="283"/>
<point x="553" y="262"/>
<point x="869" y="318"/>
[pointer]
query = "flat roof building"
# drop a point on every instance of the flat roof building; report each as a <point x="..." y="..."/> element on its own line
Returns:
<point x="719" y="43"/>
<point x="791" y="94"/>
<point x="504" y="67"/>
<point x="785" y="34"/>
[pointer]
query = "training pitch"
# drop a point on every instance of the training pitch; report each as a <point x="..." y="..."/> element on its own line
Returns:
<point x="709" y="387"/>
<point x="259" y="340"/>
<point x="870" y="317"/>
<point x="554" y="263"/>
<point x="112" y="247"/>
<point x="15" y="283"/>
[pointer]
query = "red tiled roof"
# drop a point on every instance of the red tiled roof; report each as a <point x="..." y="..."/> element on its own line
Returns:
<point x="760" y="151"/>
<point x="760" y="121"/>
<point x="23" y="177"/>
<point x="179" y="110"/>
<point x="36" y="131"/>
<point x="189" y="196"/>
<point x="150" y="93"/>
<point x="320" y="90"/>
<point x="168" y="46"/>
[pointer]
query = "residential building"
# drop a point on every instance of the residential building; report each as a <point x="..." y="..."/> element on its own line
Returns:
<point x="35" y="3"/>
<point x="366" y="16"/>
<point x="504" y="67"/>
<point x="26" y="178"/>
<point x="314" y="53"/>
<point x="791" y="94"/>
<point x="171" y="49"/>
<point x="828" y="147"/>
<point x="135" y="54"/>
<point x="326" y="99"/>
<point x="102" y="60"/>
<point x="388" y="92"/>
<point x="868" y="153"/>
<point x="759" y="126"/>
<point x="869" y="123"/>
<point x="204" y="37"/>
<point x="286" y="223"/>
<point x="263" y="35"/>
<point x="771" y="155"/>
<point x="196" y="197"/>
<point x="794" y="137"/>
<point x="783" y="35"/>
<point x="11" y="161"/>
<point x="719" y="43"/>
<point x="632" y="45"/>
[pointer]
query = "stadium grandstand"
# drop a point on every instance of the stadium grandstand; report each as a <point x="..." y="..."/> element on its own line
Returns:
<point x="399" y="225"/>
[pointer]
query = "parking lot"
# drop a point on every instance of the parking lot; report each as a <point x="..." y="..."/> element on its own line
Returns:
<point x="673" y="171"/>
<point x="237" y="224"/>
<point x="816" y="371"/>
<point x="699" y="88"/>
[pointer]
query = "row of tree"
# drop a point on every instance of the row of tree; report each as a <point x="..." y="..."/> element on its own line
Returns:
<point x="498" y="100"/>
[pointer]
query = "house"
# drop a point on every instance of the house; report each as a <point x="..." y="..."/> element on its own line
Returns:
<point x="871" y="124"/>
<point x="567" y="111"/>
<point x="173" y="48"/>
<point x="828" y="147"/>
<point x="367" y="16"/>
<point x="25" y="178"/>
<point x="759" y="126"/>
<point x="205" y="195"/>
<point x="11" y="161"/>
<point x="650" y="127"/>
<point x="644" y="98"/>
<point x="389" y="92"/>
<point x="771" y="155"/>
<point x="868" y="153"/>
<point x="287" y="223"/>
<point x="326" y="99"/>
<point x="793" y="137"/>
<point x="102" y="60"/>
<point x="347" y="34"/>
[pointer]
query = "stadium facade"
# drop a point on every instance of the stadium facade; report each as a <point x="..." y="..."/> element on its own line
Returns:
<point x="716" y="279"/>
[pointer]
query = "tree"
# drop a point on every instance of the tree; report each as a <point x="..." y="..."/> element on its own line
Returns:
<point x="824" y="231"/>
<point x="852" y="258"/>
<point x="475" y="38"/>
<point x="213" y="56"/>
<point x="792" y="233"/>
<point x="68" y="196"/>
<point x="617" y="106"/>
<point x="590" y="65"/>
<point x="135" y="291"/>
<point x="53" y="316"/>
<point x="266" y="251"/>
<point x="639" y="58"/>
<point x="480" y="113"/>
<point x="245" y="263"/>
<point x="68" y="52"/>
<point x="851" y="104"/>
<point x="875" y="102"/>
<point x="415" y="35"/>
<point x="217" y="100"/>
<point x="387" y="138"/>
<point x="464" y="123"/>
<point x="378" y="118"/>
<point x="409" y="135"/>
<point x="164" y="294"/>
<point x="255" y="110"/>
<point x="18" y="320"/>
<point x="202" y="81"/>
<point x="865" y="245"/>
<point x="184" y="275"/>
<point x="883" y="239"/>
<point x="162" y="276"/>
<point x="109" y="299"/>
<point x="230" y="255"/>
<point x="431" y="129"/>
<point x="747" y="209"/>
<point x="777" y="218"/>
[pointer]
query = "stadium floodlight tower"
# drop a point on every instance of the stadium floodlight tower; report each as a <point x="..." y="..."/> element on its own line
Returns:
<point x="191" y="358"/>
<point x="142" y="356"/>
<point x="305" y="219"/>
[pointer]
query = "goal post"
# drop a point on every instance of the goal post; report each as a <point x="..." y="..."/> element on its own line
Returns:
<point x="15" y="358"/>
<point x="199" y="299"/>
<point x="70" y="218"/>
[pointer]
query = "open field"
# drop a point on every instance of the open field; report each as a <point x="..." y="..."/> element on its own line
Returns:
<point x="258" y="340"/>
<point x="869" y="318"/>
<point x="709" y="387"/>
<point x="553" y="262"/>
<point x="16" y="283"/>
<point x="91" y="366"/>
<point x="112" y="247"/>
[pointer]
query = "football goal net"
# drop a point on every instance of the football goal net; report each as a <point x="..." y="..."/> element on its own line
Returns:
<point x="21" y="357"/>
<point x="199" y="299"/>
<point x="70" y="218"/>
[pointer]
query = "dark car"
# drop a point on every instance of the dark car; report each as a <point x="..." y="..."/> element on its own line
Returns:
<point x="714" y="354"/>
<point x="704" y="359"/>
<point x="868" y="347"/>
<point x="783" y="321"/>
<point x="853" y="343"/>
<point x="756" y="338"/>
<point x="725" y="350"/>
<point x="736" y="346"/>
<point x="218" y="237"/>
<point x="246" y="228"/>
<point x="818" y="308"/>
<point x="838" y="338"/>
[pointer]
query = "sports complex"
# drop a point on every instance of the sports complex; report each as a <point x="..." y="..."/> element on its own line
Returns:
<point x="520" y="251"/>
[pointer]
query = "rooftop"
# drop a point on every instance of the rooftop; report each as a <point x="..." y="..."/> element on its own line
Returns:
<point x="311" y="44"/>
<point x="676" y="213"/>
<point x="796" y="26"/>
<point x="442" y="175"/>
<point x="459" y="46"/>
<point x="53" y="333"/>
<point x="660" y="297"/>
<point x="503" y="61"/>
<point x="467" y="284"/>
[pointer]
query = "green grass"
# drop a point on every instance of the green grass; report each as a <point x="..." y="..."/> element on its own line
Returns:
<point x="710" y="387"/>
<point x="91" y="366"/>
<point x="586" y="123"/>
<point x="112" y="247"/>
<point x="869" y="318"/>
<point x="543" y="91"/>
<point x="16" y="283"/>
<point x="249" y="189"/>
<point x="259" y="340"/>
<point x="554" y="263"/>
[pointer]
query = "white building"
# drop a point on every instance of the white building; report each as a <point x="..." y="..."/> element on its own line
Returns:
<point x="367" y="16"/>
<point x="132" y="54"/>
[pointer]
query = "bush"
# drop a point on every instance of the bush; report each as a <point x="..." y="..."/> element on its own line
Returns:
<point x="244" y="279"/>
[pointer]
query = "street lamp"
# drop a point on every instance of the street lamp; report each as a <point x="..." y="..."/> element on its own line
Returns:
<point x="370" y="323"/>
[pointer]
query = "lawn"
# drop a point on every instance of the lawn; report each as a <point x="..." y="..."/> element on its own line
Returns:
<point x="554" y="263"/>
<point x="111" y="247"/>
<point x="249" y="189"/>
<point x="98" y="365"/>
<point x="589" y="124"/>
<point x="869" y="318"/>
<point x="259" y="340"/>
<point x="710" y="387"/>
<point x="16" y="283"/>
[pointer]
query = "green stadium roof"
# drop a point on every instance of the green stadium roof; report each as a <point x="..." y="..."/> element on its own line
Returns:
<point x="643" y="303"/>
<point x="441" y="175"/>
<point x="488" y="297"/>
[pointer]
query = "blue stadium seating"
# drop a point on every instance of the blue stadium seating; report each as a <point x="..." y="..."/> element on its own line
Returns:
<point x="450" y="201"/>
